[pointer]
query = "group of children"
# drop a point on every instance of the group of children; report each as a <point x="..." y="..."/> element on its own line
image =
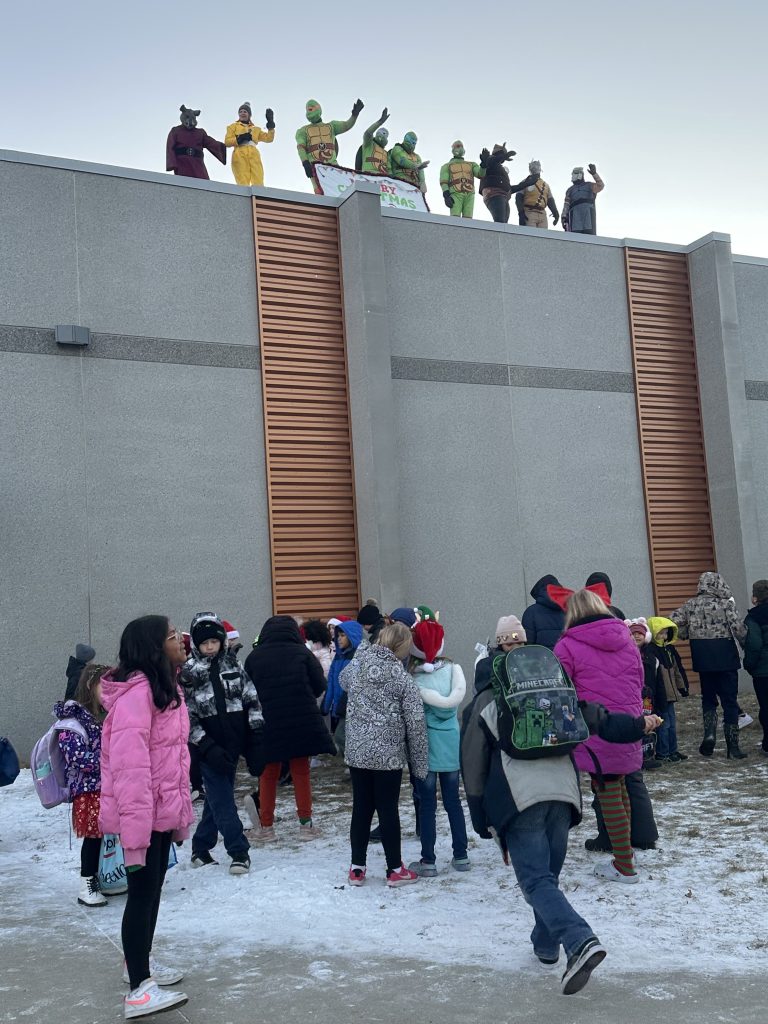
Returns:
<point x="383" y="689"/>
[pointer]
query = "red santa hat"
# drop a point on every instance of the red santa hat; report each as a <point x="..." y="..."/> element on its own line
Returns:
<point x="232" y="633"/>
<point x="337" y="620"/>
<point x="428" y="642"/>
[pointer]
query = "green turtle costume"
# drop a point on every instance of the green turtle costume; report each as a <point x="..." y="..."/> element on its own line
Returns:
<point x="406" y="164"/>
<point x="373" y="156"/>
<point x="457" y="180"/>
<point x="316" y="141"/>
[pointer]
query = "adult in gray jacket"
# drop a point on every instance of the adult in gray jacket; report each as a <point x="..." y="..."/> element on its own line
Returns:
<point x="531" y="805"/>
<point x="385" y="732"/>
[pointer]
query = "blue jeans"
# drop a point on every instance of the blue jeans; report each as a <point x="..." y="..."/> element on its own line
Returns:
<point x="666" y="734"/>
<point x="538" y="841"/>
<point x="427" y="793"/>
<point x="219" y="815"/>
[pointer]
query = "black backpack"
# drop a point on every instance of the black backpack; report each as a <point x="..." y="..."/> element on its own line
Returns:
<point x="538" y="710"/>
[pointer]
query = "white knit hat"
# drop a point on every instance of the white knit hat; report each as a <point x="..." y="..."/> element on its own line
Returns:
<point x="639" y="625"/>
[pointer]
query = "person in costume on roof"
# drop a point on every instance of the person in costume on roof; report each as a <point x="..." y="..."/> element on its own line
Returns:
<point x="406" y="164"/>
<point x="185" y="146"/>
<point x="373" y="156"/>
<point x="579" y="207"/>
<point x="457" y="180"/>
<point x="245" y="136"/>
<point x="495" y="186"/>
<point x="316" y="141"/>
<point x="534" y="201"/>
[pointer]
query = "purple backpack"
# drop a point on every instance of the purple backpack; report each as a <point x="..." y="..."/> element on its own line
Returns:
<point x="47" y="763"/>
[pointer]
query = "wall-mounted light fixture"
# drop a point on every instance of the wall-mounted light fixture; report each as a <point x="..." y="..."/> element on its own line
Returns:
<point x="71" y="334"/>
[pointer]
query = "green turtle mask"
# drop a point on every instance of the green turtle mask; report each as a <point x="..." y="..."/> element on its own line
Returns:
<point x="409" y="142"/>
<point x="458" y="150"/>
<point x="314" y="112"/>
<point x="381" y="138"/>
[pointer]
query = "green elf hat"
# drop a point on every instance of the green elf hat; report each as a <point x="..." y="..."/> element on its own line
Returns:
<point x="426" y="614"/>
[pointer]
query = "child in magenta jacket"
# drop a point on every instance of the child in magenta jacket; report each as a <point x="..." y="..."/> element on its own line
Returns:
<point x="598" y="653"/>
<point x="145" y="792"/>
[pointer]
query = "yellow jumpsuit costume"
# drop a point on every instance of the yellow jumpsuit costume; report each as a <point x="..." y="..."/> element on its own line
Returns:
<point x="246" y="160"/>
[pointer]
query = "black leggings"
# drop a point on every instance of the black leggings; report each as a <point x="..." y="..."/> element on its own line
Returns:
<point x="140" y="916"/>
<point x="89" y="858"/>
<point x="376" y="791"/>
<point x="499" y="208"/>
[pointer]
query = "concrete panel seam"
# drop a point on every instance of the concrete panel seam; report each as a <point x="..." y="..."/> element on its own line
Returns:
<point x="132" y="348"/>
<point x="455" y="371"/>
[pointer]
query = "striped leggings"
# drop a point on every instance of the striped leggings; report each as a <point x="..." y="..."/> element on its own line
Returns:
<point x="614" y="803"/>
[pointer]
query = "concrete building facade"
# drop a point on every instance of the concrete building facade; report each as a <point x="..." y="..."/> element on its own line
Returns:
<point x="492" y="381"/>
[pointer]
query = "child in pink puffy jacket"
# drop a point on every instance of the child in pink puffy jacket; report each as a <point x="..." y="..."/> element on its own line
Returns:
<point x="598" y="653"/>
<point x="145" y="792"/>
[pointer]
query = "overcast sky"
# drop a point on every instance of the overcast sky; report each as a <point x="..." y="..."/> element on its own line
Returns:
<point x="668" y="99"/>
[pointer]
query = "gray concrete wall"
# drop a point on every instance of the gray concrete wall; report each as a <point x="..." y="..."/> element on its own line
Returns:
<point x="132" y="477"/>
<point x="516" y="428"/>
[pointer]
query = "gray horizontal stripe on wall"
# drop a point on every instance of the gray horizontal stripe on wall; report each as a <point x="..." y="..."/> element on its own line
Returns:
<point x="40" y="341"/>
<point x="757" y="390"/>
<point x="458" y="371"/>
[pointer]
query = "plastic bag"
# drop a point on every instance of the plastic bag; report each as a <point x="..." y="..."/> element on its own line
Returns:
<point x="112" y="873"/>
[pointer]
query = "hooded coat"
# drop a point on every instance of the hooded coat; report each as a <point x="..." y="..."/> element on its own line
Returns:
<point x="665" y="674"/>
<point x="442" y="691"/>
<point x="223" y="704"/>
<point x="756" y="643"/>
<point x="288" y="679"/>
<point x="144" y="766"/>
<point x="543" y="621"/>
<point x="712" y="624"/>
<point x="604" y="664"/>
<point x="335" y="699"/>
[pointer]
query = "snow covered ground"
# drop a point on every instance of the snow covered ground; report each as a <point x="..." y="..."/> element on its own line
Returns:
<point x="701" y="908"/>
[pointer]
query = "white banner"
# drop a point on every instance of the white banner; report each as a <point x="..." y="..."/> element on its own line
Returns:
<point x="399" y="195"/>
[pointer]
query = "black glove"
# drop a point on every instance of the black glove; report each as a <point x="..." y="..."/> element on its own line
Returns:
<point x="594" y="715"/>
<point x="555" y="219"/>
<point x="270" y="114"/>
<point x="522" y="220"/>
<point x="357" y="107"/>
<point x="307" y="168"/>
<point x="485" y="156"/>
<point x="217" y="759"/>
<point x="448" y="199"/>
<point x="509" y="154"/>
<point x="245" y="137"/>
<point x="686" y="692"/>
<point x="592" y="169"/>
<point x="254" y="754"/>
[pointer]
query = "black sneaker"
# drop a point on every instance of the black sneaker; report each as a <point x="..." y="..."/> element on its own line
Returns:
<point x="677" y="756"/>
<point x="581" y="965"/>
<point x="201" y="859"/>
<point x="241" y="864"/>
<point x="547" y="960"/>
<point x="597" y="845"/>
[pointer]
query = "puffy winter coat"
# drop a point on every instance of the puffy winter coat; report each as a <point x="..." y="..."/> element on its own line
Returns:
<point x="604" y="664"/>
<point x="543" y="621"/>
<point x="335" y="699"/>
<point x="712" y="624"/>
<point x="385" y="715"/>
<point x="756" y="644"/>
<point x="289" y="679"/>
<point x="144" y="766"/>
<point x="442" y="691"/>
<point x="82" y="757"/>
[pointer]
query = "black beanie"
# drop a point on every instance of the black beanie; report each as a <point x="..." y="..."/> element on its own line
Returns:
<point x="368" y="615"/>
<point x="209" y="629"/>
<point x="600" y="577"/>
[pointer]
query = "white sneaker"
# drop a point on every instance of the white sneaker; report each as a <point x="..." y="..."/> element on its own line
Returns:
<point x="610" y="873"/>
<point x="745" y="720"/>
<point x="159" y="974"/>
<point x="148" y="998"/>
<point x="266" y="834"/>
<point x="90" y="895"/>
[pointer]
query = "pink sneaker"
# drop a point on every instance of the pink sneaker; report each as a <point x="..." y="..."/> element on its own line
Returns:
<point x="356" y="876"/>
<point x="402" y="876"/>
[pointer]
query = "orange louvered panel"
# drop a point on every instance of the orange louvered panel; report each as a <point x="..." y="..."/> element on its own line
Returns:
<point x="308" y="440"/>
<point x="669" y="417"/>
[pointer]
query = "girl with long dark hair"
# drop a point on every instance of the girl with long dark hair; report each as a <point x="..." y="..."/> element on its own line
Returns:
<point x="145" y="792"/>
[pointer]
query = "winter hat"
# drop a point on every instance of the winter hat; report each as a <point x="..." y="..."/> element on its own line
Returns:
<point x="208" y="628"/>
<point x="600" y="577"/>
<point x="368" y="615"/>
<point x="509" y="630"/>
<point x="245" y="106"/>
<point x="426" y="614"/>
<point x="407" y="616"/>
<point x="232" y="633"/>
<point x="428" y="642"/>
<point x="639" y="627"/>
<point x="84" y="652"/>
<point x="337" y="621"/>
